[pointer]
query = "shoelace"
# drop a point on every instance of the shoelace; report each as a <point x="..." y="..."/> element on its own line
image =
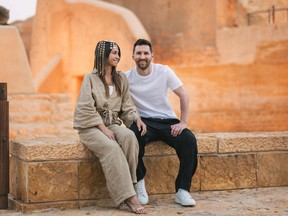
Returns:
<point x="186" y="194"/>
<point x="140" y="188"/>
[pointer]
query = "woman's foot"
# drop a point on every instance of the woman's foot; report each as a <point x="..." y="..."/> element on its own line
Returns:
<point x="121" y="205"/>
<point x="135" y="206"/>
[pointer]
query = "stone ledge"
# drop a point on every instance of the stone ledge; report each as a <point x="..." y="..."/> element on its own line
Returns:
<point x="54" y="148"/>
<point x="252" y="142"/>
<point x="49" y="149"/>
<point x="72" y="175"/>
<point x="57" y="148"/>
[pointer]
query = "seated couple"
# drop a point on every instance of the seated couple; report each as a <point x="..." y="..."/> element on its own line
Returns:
<point x="108" y="97"/>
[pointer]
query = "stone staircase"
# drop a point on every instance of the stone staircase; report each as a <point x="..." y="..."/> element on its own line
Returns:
<point x="40" y="115"/>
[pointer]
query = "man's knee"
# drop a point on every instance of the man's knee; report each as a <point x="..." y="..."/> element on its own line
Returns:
<point x="134" y="128"/>
<point x="189" y="141"/>
<point x="189" y="136"/>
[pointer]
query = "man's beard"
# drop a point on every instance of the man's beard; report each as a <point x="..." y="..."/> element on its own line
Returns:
<point x="143" y="66"/>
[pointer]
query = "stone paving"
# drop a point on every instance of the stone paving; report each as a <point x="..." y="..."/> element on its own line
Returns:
<point x="261" y="201"/>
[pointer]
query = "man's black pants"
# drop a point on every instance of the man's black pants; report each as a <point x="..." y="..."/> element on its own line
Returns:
<point x="184" y="144"/>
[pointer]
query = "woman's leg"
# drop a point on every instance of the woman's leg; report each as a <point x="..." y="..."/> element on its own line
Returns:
<point x="113" y="162"/>
<point x="129" y="144"/>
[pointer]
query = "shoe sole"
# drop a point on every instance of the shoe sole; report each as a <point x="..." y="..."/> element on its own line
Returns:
<point x="143" y="203"/>
<point x="179" y="202"/>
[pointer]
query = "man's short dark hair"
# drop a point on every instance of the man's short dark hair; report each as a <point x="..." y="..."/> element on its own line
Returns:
<point x="140" y="42"/>
<point x="4" y="16"/>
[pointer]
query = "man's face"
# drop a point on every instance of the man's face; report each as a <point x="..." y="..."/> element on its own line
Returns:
<point x="142" y="56"/>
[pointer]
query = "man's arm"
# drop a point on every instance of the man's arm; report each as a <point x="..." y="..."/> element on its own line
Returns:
<point x="184" y="109"/>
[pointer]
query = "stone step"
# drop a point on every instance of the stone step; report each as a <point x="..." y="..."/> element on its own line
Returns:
<point x="40" y="96"/>
<point x="37" y="130"/>
<point x="39" y="103"/>
<point x="27" y="117"/>
<point x="40" y="115"/>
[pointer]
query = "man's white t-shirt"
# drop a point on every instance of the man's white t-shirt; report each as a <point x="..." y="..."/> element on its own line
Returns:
<point x="150" y="93"/>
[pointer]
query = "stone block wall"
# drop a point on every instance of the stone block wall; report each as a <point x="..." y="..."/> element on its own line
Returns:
<point x="237" y="98"/>
<point x="182" y="32"/>
<point x="63" y="173"/>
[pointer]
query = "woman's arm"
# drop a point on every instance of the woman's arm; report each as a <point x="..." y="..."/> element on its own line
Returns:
<point x="85" y="114"/>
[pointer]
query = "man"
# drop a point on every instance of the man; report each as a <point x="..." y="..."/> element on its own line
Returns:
<point x="149" y="84"/>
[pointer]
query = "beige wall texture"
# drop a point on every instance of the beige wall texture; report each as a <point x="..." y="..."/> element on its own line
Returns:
<point x="242" y="45"/>
<point x="235" y="73"/>
<point x="187" y="32"/>
<point x="14" y="65"/>
<point x="65" y="34"/>
<point x="234" y="13"/>
<point x="231" y="98"/>
<point x="181" y="31"/>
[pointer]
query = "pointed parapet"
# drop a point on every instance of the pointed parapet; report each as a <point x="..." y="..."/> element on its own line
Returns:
<point x="14" y="66"/>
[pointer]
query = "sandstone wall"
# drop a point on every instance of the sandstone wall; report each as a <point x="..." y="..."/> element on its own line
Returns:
<point x="40" y="115"/>
<point x="14" y="65"/>
<point x="69" y="30"/>
<point x="242" y="45"/>
<point x="241" y="78"/>
<point x="230" y="14"/>
<point x="74" y="178"/>
<point x="181" y="30"/>
<point x="236" y="97"/>
<point x="234" y="13"/>
<point x="255" y="5"/>
<point x="185" y="32"/>
<point x="25" y="30"/>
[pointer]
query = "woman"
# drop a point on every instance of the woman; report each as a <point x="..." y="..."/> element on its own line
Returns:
<point x="103" y="102"/>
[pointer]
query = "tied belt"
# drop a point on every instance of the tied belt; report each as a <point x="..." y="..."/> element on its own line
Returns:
<point x="108" y="115"/>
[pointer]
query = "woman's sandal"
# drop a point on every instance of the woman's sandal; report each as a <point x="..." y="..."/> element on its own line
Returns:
<point x="136" y="208"/>
<point x="121" y="205"/>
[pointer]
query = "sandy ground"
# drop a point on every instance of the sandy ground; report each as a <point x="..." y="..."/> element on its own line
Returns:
<point x="262" y="201"/>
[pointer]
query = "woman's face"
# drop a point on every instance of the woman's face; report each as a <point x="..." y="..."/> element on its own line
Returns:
<point x="114" y="57"/>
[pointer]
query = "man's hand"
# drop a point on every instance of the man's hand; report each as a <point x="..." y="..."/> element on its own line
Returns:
<point x="177" y="129"/>
<point x="141" y="126"/>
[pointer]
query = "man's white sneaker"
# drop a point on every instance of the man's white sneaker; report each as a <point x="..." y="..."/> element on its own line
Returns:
<point x="184" y="198"/>
<point x="141" y="192"/>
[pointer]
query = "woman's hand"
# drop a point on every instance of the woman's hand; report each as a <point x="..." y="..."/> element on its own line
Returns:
<point x="141" y="126"/>
<point x="109" y="133"/>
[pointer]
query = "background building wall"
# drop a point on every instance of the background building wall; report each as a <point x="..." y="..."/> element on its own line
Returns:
<point x="181" y="31"/>
<point x="234" y="72"/>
